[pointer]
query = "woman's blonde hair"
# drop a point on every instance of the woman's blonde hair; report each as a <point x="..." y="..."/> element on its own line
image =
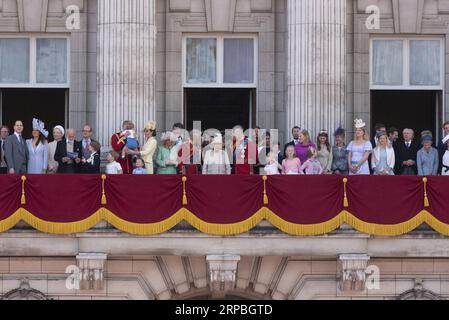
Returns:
<point x="306" y="134"/>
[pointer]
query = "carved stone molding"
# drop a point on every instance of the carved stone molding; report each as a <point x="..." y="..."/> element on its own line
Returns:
<point x="352" y="268"/>
<point x="443" y="6"/>
<point x="180" y="5"/>
<point x="78" y="3"/>
<point x="24" y="292"/>
<point x="91" y="268"/>
<point x="220" y="15"/>
<point x="407" y="15"/>
<point x="261" y="5"/>
<point x="222" y="270"/>
<point x="419" y="293"/>
<point x="32" y="15"/>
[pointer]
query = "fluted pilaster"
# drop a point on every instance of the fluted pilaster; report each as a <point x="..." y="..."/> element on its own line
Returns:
<point x="126" y="53"/>
<point x="316" y="64"/>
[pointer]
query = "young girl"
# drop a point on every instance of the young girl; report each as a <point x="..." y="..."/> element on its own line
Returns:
<point x="113" y="167"/>
<point x="272" y="167"/>
<point x="312" y="165"/>
<point x="291" y="164"/>
<point x="140" y="167"/>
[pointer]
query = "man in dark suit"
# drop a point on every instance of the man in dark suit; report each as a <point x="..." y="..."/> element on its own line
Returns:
<point x="16" y="151"/>
<point x="379" y="129"/>
<point x="442" y="147"/>
<point x="86" y="141"/>
<point x="68" y="154"/>
<point x="296" y="131"/>
<point x="406" y="152"/>
<point x="3" y="136"/>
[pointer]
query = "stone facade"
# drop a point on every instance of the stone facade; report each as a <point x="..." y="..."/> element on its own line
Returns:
<point x="312" y="70"/>
<point x="182" y="265"/>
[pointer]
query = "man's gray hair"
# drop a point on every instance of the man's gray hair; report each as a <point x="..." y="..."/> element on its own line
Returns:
<point x="409" y="130"/>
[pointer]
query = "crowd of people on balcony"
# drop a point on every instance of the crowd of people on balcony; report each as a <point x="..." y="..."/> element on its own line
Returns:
<point x="181" y="153"/>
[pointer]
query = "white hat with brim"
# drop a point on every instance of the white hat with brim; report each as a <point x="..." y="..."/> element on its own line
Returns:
<point x="218" y="139"/>
<point x="168" y="136"/>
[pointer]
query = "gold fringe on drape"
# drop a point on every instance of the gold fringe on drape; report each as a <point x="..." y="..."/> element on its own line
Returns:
<point x="183" y="214"/>
<point x="22" y="198"/>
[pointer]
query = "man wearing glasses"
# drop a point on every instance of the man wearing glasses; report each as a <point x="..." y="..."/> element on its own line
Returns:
<point x="86" y="141"/>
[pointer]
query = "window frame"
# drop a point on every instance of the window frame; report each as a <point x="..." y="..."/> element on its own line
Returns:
<point x="220" y="60"/>
<point x="406" y="64"/>
<point x="33" y="61"/>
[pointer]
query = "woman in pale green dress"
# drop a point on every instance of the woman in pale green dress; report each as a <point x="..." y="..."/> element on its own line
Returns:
<point x="167" y="155"/>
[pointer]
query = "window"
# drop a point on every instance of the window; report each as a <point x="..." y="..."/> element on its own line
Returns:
<point x="51" y="61"/>
<point x="411" y="63"/>
<point x="36" y="61"/>
<point x="219" y="61"/>
<point x="201" y="60"/>
<point x="14" y="60"/>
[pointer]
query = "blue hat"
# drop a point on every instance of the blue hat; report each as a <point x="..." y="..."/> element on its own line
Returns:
<point x="426" y="138"/>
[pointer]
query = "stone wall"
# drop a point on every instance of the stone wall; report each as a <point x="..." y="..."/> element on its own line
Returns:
<point x="268" y="277"/>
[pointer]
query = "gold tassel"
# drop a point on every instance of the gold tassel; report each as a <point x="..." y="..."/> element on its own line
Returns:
<point x="184" y="194"/>
<point x="265" y="197"/>
<point x="103" y="194"/>
<point x="345" y="199"/>
<point x="426" y="199"/>
<point x="23" y="199"/>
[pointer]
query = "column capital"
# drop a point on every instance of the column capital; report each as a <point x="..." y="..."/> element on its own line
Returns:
<point x="352" y="271"/>
<point x="222" y="271"/>
<point x="91" y="268"/>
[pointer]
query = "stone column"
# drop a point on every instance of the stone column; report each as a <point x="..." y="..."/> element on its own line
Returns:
<point x="126" y="70"/>
<point x="316" y="64"/>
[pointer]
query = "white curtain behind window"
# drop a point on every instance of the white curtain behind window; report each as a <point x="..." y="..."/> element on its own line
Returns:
<point x="14" y="60"/>
<point x="201" y="60"/>
<point x="387" y="62"/>
<point x="239" y="60"/>
<point x="425" y="62"/>
<point x="51" y="60"/>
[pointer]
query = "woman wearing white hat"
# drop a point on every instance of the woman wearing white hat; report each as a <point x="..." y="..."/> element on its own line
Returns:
<point x="167" y="155"/>
<point x="216" y="160"/>
<point x="359" y="150"/>
<point x="58" y="134"/>
<point x="38" y="149"/>
<point x="149" y="148"/>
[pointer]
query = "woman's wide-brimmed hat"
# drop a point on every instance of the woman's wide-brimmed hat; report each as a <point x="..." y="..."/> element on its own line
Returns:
<point x="168" y="136"/>
<point x="359" y="123"/>
<point x="339" y="132"/>
<point x="218" y="139"/>
<point x="426" y="138"/>
<point x="40" y="126"/>
<point x="60" y="128"/>
<point x="151" y="125"/>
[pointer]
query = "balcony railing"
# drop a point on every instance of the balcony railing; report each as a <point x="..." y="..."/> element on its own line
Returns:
<point x="225" y="205"/>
